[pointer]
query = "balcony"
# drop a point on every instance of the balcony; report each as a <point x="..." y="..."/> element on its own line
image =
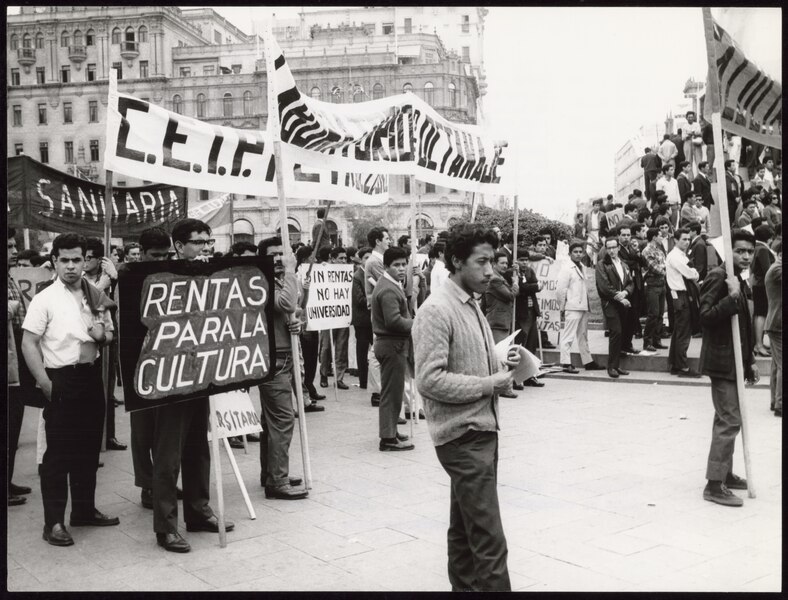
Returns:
<point x="26" y="56"/>
<point x="77" y="54"/>
<point x="129" y="50"/>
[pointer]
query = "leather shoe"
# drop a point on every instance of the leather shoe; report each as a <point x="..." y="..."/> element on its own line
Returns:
<point x="422" y="416"/>
<point x="323" y="382"/>
<point x="569" y="369"/>
<point x="114" y="444"/>
<point x="375" y="399"/>
<point x="316" y="396"/>
<point x="517" y="387"/>
<point x="613" y="373"/>
<point x="172" y="542"/>
<point x="689" y="373"/>
<point x="342" y="385"/>
<point x="533" y="382"/>
<point x="402" y="437"/>
<point x="285" y="492"/>
<point x="548" y="345"/>
<point x="18" y="490"/>
<point x="660" y="346"/>
<point x="294" y="482"/>
<point x="146" y="498"/>
<point x="622" y="371"/>
<point x="211" y="525"/>
<point x="721" y="495"/>
<point x="236" y="442"/>
<point x="16" y="500"/>
<point x="58" y="535"/>
<point x="508" y="395"/>
<point x="101" y="464"/>
<point x="593" y="366"/>
<point x="178" y="493"/>
<point x="631" y="351"/>
<point x="97" y="519"/>
<point x="252" y="437"/>
<point x="395" y="445"/>
<point x="734" y="482"/>
<point x="314" y="408"/>
<point x="401" y="421"/>
<point x="649" y="348"/>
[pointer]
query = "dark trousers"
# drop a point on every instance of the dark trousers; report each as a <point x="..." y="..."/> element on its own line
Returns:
<point x="655" y="309"/>
<point x="113" y="361"/>
<point x="16" y="413"/>
<point x="682" y="332"/>
<point x="341" y="337"/>
<point x="727" y="423"/>
<point x="776" y="378"/>
<point x="476" y="542"/>
<point x="180" y="439"/>
<point x="528" y="331"/>
<point x="73" y="420"/>
<point x="634" y="318"/>
<point x="278" y="421"/>
<point x="617" y="316"/>
<point x="393" y="355"/>
<point x="143" y="424"/>
<point x="310" y="348"/>
<point x="363" y="342"/>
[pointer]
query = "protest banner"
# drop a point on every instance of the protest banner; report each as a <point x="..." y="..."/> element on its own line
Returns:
<point x="235" y="415"/>
<point x="547" y="274"/>
<point x="215" y="212"/>
<point x="614" y="217"/>
<point x="329" y="303"/>
<point x="400" y="135"/>
<point x="149" y="142"/>
<point x="30" y="280"/>
<point x="40" y="197"/>
<point x="189" y="329"/>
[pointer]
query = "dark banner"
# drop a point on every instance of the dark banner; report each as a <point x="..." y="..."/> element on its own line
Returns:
<point x="189" y="329"/>
<point x="40" y="197"/>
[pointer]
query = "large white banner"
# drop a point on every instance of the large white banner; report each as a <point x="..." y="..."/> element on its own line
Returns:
<point x="547" y="273"/>
<point x="329" y="302"/>
<point x="395" y="135"/>
<point x="151" y="143"/>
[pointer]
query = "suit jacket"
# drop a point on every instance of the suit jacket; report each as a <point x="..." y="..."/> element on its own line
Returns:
<point x="774" y="292"/>
<point x="698" y="257"/>
<point x="325" y="239"/>
<point x="733" y="193"/>
<point x="361" y="316"/>
<point x="391" y="317"/>
<point x="685" y="187"/>
<point x="608" y="283"/>
<point x="716" y="309"/>
<point x="527" y="288"/>
<point x="761" y="262"/>
<point x="634" y="261"/>
<point x="702" y="186"/>
<point x="571" y="289"/>
<point x="498" y="299"/>
<point x="651" y="163"/>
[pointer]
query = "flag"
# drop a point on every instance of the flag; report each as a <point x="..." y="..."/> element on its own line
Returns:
<point x="750" y="95"/>
<point x="215" y="212"/>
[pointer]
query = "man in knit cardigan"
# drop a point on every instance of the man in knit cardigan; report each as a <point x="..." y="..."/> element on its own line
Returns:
<point x="460" y="377"/>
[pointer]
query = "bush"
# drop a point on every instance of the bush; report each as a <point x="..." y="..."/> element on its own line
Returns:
<point x="529" y="224"/>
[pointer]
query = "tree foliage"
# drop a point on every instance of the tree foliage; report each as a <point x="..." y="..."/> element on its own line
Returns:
<point x="362" y="219"/>
<point x="529" y="224"/>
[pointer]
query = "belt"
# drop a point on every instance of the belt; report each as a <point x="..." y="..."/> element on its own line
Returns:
<point x="76" y="367"/>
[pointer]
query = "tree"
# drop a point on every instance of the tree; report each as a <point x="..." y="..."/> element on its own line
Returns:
<point x="529" y="223"/>
<point x="362" y="219"/>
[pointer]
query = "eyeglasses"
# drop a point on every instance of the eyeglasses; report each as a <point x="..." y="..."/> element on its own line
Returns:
<point x="202" y="242"/>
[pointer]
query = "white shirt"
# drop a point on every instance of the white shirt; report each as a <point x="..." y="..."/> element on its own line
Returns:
<point x="56" y="316"/>
<point x="439" y="275"/>
<point x="671" y="188"/>
<point x="594" y="221"/>
<point x="676" y="268"/>
<point x="690" y="130"/>
<point x="619" y="268"/>
<point x="703" y="214"/>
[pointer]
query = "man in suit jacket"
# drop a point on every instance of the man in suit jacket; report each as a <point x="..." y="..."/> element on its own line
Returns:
<point x="701" y="185"/>
<point x="391" y="324"/>
<point x="697" y="253"/>
<point x="684" y="181"/>
<point x="774" y="327"/>
<point x="721" y="298"/>
<point x="733" y="192"/>
<point x="615" y="287"/>
<point x="499" y="302"/>
<point x="651" y="165"/>
<point x="361" y="318"/>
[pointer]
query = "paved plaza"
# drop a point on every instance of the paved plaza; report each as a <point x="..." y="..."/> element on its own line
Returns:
<point x="600" y="488"/>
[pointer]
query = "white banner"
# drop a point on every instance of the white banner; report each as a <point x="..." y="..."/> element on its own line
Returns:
<point x="547" y="272"/>
<point x="151" y="143"/>
<point x="329" y="303"/>
<point x="400" y="135"/>
<point x="235" y="415"/>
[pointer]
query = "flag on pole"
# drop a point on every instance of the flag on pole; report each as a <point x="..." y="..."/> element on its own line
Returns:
<point x="215" y="212"/>
<point x="748" y="66"/>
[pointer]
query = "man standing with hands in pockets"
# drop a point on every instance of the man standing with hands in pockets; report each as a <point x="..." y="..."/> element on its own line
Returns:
<point x="460" y="377"/>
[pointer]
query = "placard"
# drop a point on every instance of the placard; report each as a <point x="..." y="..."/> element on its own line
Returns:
<point x="235" y="415"/>
<point x="329" y="305"/>
<point x="30" y="280"/>
<point x="550" y="318"/>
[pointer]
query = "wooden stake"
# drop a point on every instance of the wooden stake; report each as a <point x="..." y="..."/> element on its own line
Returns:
<point x="216" y="461"/>
<point x="515" y="231"/>
<point x="333" y="362"/>
<point x="238" y="478"/>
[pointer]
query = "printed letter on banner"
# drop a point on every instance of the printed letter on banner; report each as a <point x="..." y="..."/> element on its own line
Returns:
<point x="550" y="317"/>
<point x="329" y="303"/>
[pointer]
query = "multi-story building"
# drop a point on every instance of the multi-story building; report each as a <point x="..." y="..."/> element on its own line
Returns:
<point x="196" y="63"/>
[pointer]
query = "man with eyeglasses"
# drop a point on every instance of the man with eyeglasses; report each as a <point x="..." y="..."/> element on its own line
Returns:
<point x="180" y="436"/>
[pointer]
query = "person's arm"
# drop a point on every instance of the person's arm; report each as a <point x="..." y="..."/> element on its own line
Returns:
<point x="606" y="291"/>
<point x="359" y="297"/>
<point x="35" y="362"/>
<point x="717" y="305"/>
<point x="499" y="288"/>
<point x="683" y="268"/>
<point x="393" y="320"/>
<point x="700" y="261"/>
<point x="531" y="285"/>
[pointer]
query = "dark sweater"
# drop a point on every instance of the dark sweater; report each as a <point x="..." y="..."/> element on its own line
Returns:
<point x="391" y="316"/>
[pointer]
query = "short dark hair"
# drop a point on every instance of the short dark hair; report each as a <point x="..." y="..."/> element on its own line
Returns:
<point x="499" y="254"/>
<point x="392" y="254"/>
<point x="679" y="232"/>
<point x="702" y="164"/>
<point x="27" y="255"/>
<point x="96" y="245"/>
<point x="463" y="238"/>
<point x="336" y="251"/>
<point x="599" y="201"/>
<point x="402" y="240"/>
<point x="666" y="167"/>
<point x="637" y="227"/>
<point x="576" y="244"/>
<point x="321" y="213"/>
<point x="662" y="221"/>
<point x="683" y="164"/>
<point x="69" y="241"/>
<point x="763" y="233"/>
<point x="647" y="150"/>
<point x="666" y="137"/>
<point x="238" y="248"/>
<point x="155" y="237"/>
<point x="749" y="202"/>
<point x="264" y="245"/>
<point x="729" y="162"/>
<point x="611" y="239"/>
<point x="690" y="112"/>
<point x="756" y="221"/>
<point x="323" y="253"/>
<point x="351" y="252"/>
<point x="361" y="252"/>
<point x="651" y="233"/>
<point x="623" y="225"/>
<point x="540" y="238"/>
<point x="130" y="246"/>
<point x="694" y="226"/>
<point x="643" y="214"/>
<point x="742" y="235"/>
<point x="118" y="249"/>
<point x="629" y="207"/>
<point x="662" y="209"/>
<point x="303" y="253"/>
<point x="637" y="193"/>
<point x="546" y="231"/>
<point x="11" y="232"/>
<point x="37" y="260"/>
<point x="375" y="234"/>
<point x="184" y="228"/>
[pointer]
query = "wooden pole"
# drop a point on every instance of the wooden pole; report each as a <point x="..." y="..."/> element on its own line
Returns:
<point x="515" y="231"/>
<point x="239" y="478"/>
<point x="26" y="238"/>
<point x="414" y="292"/>
<point x="216" y="461"/>
<point x="333" y="362"/>
<point x="232" y="222"/>
<point x="105" y="366"/>
<point x="722" y="204"/>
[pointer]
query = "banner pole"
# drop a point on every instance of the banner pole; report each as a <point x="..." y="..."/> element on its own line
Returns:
<point x="273" y="127"/>
<point x="333" y="362"/>
<point x="232" y="221"/>
<point x="239" y="479"/>
<point x="26" y="236"/>
<point x="217" y="472"/>
<point x="722" y="203"/>
<point x="312" y="259"/>
<point x="414" y="292"/>
<point x="515" y="232"/>
<point x="105" y="366"/>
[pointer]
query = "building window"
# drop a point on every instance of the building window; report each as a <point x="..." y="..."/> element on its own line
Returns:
<point x="358" y="94"/>
<point x="116" y="36"/>
<point x="42" y="114"/>
<point x="466" y="54"/>
<point x="94" y="150"/>
<point x="65" y="74"/>
<point x="40" y="75"/>
<point x="315" y="93"/>
<point x="185" y="71"/>
<point x="209" y="69"/>
<point x="122" y="183"/>
<point x="90" y="38"/>
<point x="429" y="188"/>
<point x="217" y="37"/>
<point x="407" y="88"/>
<point x="200" y="105"/>
<point x="143" y="34"/>
<point x="93" y="111"/>
<point x="247" y="104"/>
<point x="26" y="41"/>
<point x="43" y="149"/>
<point x="19" y="149"/>
<point x="406" y="184"/>
<point x="204" y="194"/>
<point x="408" y="25"/>
<point x="337" y="95"/>
<point x="466" y="23"/>
<point x="40" y="41"/>
<point x="67" y="114"/>
<point x="14" y="76"/>
<point x="130" y="34"/>
<point x="14" y="42"/>
<point x="452" y="95"/>
<point x="77" y="38"/>
<point x="429" y="93"/>
<point x="177" y="104"/>
<point x="118" y="66"/>
<point x="143" y="69"/>
<point x="17" y="115"/>
<point x="378" y="91"/>
<point x="227" y="105"/>
<point x="69" y="146"/>
<point x="388" y="28"/>
<point x="65" y="40"/>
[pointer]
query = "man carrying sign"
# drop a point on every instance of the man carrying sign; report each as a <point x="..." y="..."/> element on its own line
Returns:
<point x="341" y="337"/>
